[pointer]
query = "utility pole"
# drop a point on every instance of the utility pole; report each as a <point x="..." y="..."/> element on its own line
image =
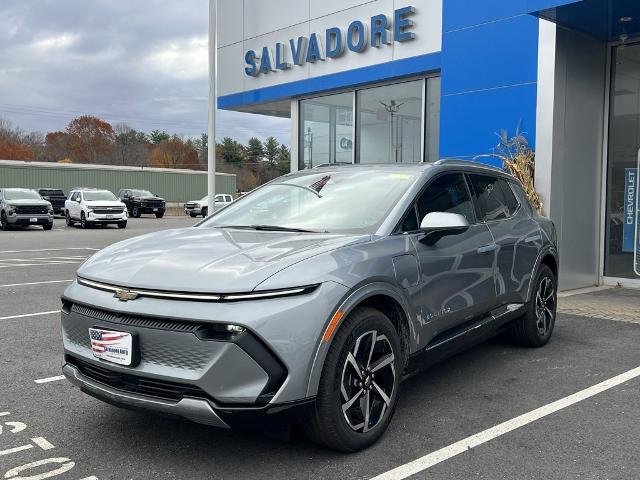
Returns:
<point x="213" y="100"/>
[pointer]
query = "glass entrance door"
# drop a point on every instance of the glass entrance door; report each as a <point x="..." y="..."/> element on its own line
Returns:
<point x="622" y="242"/>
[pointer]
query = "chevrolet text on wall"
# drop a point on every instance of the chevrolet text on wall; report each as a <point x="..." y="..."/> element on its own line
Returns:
<point x="357" y="38"/>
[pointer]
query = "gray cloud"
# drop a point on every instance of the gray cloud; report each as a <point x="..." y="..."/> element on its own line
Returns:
<point x="139" y="61"/>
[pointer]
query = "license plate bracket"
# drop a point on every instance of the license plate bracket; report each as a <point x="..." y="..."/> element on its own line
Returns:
<point x="114" y="346"/>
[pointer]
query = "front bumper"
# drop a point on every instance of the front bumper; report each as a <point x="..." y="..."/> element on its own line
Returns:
<point x="106" y="218"/>
<point x="150" y="209"/>
<point x="193" y="210"/>
<point x="261" y="374"/>
<point x="22" y="219"/>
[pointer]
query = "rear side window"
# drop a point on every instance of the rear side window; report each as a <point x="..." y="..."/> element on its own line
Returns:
<point x="447" y="193"/>
<point x="494" y="197"/>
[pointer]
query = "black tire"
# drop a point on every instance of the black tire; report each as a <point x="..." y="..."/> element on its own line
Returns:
<point x="47" y="227"/>
<point x="331" y="425"/>
<point x="68" y="221"/>
<point x="192" y="215"/>
<point x="205" y="211"/>
<point x="535" y="327"/>
<point x="159" y="214"/>
<point x="122" y="224"/>
<point x="6" y="226"/>
<point x="135" y="212"/>
<point x="83" y="221"/>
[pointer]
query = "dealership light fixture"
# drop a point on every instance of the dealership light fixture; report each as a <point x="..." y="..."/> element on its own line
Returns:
<point x="625" y="19"/>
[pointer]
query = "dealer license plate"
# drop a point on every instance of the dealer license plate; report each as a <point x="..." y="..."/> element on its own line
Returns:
<point x="33" y="220"/>
<point x="155" y="209"/>
<point x="115" y="347"/>
<point x="109" y="216"/>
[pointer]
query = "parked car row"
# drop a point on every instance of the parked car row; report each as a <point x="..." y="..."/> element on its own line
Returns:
<point x="89" y="206"/>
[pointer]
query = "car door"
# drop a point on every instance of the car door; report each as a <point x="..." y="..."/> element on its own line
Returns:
<point x="71" y="206"/>
<point x="515" y="232"/>
<point x="456" y="270"/>
<point x="76" y="205"/>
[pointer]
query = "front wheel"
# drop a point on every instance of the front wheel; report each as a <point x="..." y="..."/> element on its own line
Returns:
<point x="159" y="214"/>
<point x="83" y="220"/>
<point x="4" y="222"/>
<point x="122" y="224"/>
<point x="358" y="389"/>
<point x="47" y="227"/>
<point x="205" y="212"/>
<point x="535" y="327"/>
<point x="135" y="212"/>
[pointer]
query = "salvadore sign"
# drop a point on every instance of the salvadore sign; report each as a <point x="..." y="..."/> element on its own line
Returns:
<point x="335" y="42"/>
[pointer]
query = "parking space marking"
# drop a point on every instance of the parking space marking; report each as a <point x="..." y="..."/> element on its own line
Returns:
<point x="50" y="379"/>
<point x="49" y="250"/>
<point x="439" y="456"/>
<point x="34" y="283"/>
<point x="29" y="315"/>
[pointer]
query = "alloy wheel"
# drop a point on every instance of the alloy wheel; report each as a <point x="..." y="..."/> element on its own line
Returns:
<point x="368" y="381"/>
<point x="545" y="305"/>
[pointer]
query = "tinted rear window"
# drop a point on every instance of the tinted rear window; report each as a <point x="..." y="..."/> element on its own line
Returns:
<point x="51" y="193"/>
<point x="495" y="200"/>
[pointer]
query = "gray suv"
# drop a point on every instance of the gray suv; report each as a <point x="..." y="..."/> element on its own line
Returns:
<point x="309" y="299"/>
<point x="22" y="207"/>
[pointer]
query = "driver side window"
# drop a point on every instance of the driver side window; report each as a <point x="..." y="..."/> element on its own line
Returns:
<point x="447" y="193"/>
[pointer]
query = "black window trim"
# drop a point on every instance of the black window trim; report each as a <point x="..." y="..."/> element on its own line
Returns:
<point x="477" y="208"/>
<point x="414" y="203"/>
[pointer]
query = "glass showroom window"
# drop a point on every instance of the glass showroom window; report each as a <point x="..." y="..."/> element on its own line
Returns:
<point x="326" y="130"/>
<point x="389" y="123"/>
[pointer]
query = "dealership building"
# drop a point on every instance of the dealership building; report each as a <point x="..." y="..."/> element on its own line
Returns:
<point x="407" y="81"/>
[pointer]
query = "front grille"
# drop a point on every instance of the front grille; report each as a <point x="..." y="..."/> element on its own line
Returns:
<point x="108" y="210"/>
<point x="136" y="321"/>
<point x="31" y="210"/>
<point x="135" y="384"/>
<point x="153" y="204"/>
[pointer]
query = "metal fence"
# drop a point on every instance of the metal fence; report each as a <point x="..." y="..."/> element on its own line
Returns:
<point x="173" y="185"/>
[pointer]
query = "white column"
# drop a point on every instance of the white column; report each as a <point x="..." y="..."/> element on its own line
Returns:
<point x="211" y="153"/>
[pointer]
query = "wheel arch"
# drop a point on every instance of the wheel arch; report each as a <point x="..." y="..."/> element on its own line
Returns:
<point x="383" y="297"/>
<point x="549" y="258"/>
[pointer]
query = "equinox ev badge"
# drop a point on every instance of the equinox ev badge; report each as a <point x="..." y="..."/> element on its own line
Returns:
<point x="125" y="295"/>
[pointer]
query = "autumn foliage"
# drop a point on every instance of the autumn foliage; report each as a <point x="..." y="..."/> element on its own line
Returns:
<point x="14" y="151"/>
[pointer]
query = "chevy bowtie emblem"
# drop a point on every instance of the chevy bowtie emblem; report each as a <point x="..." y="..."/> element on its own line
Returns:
<point x="125" y="295"/>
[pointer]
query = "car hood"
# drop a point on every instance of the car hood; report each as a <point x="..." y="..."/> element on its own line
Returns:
<point x="207" y="259"/>
<point x="146" y="197"/>
<point x="28" y="202"/>
<point x="104" y="203"/>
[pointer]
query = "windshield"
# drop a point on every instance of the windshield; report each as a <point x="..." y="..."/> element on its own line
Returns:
<point x="21" y="194"/>
<point x="141" y="193"/>
<point x="350" y="201"/>
<point x="99" y="195"/>
<point x="51" y="193"/>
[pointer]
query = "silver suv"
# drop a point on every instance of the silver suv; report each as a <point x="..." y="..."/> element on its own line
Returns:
<point x="22" y="207"/>
<point x="309" y="299"/>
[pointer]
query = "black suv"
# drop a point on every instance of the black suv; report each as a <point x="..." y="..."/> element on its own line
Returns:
<point x="142" y="201"/>
<point x="56" y="197"/>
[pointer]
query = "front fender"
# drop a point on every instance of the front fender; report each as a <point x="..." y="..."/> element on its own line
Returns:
<point x="351" y="300"/>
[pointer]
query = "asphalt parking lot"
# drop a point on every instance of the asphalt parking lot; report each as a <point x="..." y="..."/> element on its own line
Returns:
<point x="545" y="431"/>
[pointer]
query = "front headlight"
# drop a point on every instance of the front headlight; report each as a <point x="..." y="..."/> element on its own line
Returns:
<point x="89" y="210"/>
<point x="11" y="210"/>
<point x="50" y="210"/>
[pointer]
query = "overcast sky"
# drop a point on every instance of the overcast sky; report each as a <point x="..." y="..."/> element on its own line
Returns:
<point x="143" y="62"/>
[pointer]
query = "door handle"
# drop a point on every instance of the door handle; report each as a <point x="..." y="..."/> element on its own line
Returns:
<point x="488" y="248"/>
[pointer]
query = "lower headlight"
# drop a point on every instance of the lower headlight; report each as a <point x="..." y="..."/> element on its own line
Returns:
<point x="11" y="211"/>
<point x="235" y="329"/>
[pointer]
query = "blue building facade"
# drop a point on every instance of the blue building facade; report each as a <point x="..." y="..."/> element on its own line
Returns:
<point x="415" y="81"/>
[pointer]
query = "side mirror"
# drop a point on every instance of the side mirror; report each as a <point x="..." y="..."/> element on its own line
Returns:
<point x="78" y="200"/>
<point x="444" y="222"/>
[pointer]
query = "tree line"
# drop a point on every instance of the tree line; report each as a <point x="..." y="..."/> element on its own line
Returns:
<point x="88" y="139"/>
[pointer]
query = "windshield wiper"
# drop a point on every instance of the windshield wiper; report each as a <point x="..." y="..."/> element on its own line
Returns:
<point x="268" y="228"/>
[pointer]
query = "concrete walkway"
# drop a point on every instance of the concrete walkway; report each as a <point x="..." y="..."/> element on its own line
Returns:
<point x="622" y="304"/>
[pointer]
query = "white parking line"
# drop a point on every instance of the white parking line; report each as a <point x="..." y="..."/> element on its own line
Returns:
<point x="439" y="456"/>
<point x="49" y="250"/>
<point x="30" y="315"/>
<point x="50" y="379"/>
<point x="34" y="283"/>
<point x="40" y="264"/>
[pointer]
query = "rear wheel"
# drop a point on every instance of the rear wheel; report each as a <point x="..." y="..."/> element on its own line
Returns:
<point x="68" y="220"/>
<point x="205" y="212"/>
<point x="358" y="388"/>
<point x="535" y="327"/>
<point x="4" y="222"/>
